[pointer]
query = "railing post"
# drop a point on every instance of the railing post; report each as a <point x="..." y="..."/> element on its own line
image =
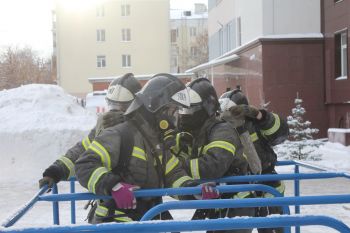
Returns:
<point x="297" y="194"/>
<point x="55" y="207"/>
<point x="72" y="203"/>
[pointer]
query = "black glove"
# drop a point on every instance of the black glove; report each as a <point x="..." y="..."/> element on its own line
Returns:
<point x="241" y="111"/>
<point x="52" y="174"/>
<point x="185" y="140"/>
<point x="112" y="118"/>
<point x="46" y="180"/>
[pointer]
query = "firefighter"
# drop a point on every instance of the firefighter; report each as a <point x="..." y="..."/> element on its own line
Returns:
<point x="120" y="94"/>
<point x="136" y="153"/>
<point x="210" y="148"/>
<point x="266" y="129"/>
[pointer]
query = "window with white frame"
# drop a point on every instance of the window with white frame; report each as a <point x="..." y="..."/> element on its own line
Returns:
<point x="173" y="35"/>
<point x="100" y="11"/>
<point x="101" y="35"/>
<point x="126" y="36"/>
<point x="193" y="31"/>
<point x="125" y="10"/>
<point x="341" y="55"/>
<point x="126" y="60"/>
<point x="101" y="61"/>
<point x="194" y="51"/>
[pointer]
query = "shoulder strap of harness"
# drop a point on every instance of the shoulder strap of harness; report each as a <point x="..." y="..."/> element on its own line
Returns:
<point x="126" y="148"/>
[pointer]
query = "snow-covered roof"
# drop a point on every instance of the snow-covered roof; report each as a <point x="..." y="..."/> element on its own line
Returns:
<point x="339" y="130"/>
<point x="139" y="77"/>
<point x="179" y="14"/>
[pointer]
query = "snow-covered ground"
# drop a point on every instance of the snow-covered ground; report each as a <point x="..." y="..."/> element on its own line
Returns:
<point x="40" y="122"/>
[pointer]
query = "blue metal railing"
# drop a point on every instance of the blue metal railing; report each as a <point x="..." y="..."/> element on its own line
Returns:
<point x="279" y="201"/>
<point x="196" y="225"/>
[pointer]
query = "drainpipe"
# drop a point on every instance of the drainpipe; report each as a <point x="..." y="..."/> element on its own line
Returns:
<point x="212" y="75"/>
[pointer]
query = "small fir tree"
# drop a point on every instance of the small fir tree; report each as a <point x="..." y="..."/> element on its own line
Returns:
<point x="301" y="144"/>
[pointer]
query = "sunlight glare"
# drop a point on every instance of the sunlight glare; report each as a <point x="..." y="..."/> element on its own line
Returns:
<point x="78" y="5"/>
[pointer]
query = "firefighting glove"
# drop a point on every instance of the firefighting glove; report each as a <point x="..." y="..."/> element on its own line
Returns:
<point x="112" y="118"/>
<point x="209" y="191"/>
<point x="241" y="111"/>
<point x="46" y="180"/>
<point x="51" y="175"/>
<point x="123" y="195"/>
<point x="184" y="140"/>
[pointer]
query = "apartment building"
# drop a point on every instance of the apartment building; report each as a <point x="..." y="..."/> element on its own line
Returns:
<point x="109" y="38"/>
<point x="272" y="49"/>
<point x="189" y="37"/>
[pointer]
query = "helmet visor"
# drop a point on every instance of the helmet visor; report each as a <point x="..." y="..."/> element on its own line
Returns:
<point x="118" y="106"/>
<point x="189" y="111"/>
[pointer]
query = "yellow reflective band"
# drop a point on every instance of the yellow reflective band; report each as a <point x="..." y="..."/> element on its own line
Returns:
<point x="95" y="176"/>
<point x="121" y="219"/>
<point x="274" y="128"/>
<point x="171" y="164"/>
<point x="280" y="188"/>
<point x="139" y="153"/>
<point x="221" y="144"/>
<point x="101" y="211"/>
<point x="254" y="137"/>
<point x="194" y="169"/>
<point x="242" y="195"/>
<point x="86" y="142"/>
<point x="180" y="181"/>
<point x="102" y="152"/>
<point x="69" y="164"/>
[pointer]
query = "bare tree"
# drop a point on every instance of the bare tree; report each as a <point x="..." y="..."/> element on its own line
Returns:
<point x="23" y="66"/>
<point x="203" y="49"/>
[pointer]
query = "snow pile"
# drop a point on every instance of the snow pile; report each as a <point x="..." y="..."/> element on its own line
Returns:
<point x="39" y="123"/>
<point x="330" y="156"/>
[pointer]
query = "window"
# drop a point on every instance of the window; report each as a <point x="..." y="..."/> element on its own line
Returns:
<point x="341" y="55"/>
<point x="101" y="35"/>
<point x="125" y="10"/>
<point x="194" y="51"/>
<point x="239" y="32"/>
<point x="126" y="60"/>
<point x="126" y="34"/>
<point x="173" y="35"/>
<point x="101" y="61"/>
<point x="100" y="11"/>
<point x="193" y="31"/>
<point x="221" y="41"/>
<point x="174" y="61"/>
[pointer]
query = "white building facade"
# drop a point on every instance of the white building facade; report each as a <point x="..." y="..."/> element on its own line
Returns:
<point x="233" y="23"/>
<point x="109" y="38"/>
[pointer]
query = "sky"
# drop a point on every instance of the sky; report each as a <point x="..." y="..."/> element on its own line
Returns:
<point x="28" y="23"/>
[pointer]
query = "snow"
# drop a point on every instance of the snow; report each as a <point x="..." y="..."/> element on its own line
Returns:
<point x="40" y="122"/>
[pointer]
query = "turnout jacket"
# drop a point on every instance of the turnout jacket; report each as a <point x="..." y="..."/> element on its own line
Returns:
<point x="269" y="131"/>
<point x="216" y="152"/>
<point x="63" y="168"/>
<point x="98" y="168"/>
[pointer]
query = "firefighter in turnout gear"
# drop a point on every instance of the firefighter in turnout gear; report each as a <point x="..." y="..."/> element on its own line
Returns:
<point x="210" y="148"/>
<point x="120" y="94"/>
<point x="266" y="129"/>
<point x="135" y="154"/>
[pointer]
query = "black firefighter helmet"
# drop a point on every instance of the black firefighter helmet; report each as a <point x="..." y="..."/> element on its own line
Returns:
<point x="161" y="92"/>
